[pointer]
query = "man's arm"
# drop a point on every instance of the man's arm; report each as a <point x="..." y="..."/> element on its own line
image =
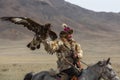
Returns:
<point x="52" y="46"/>
<point x="78" y="55"/>
<point x="79" y="51"/>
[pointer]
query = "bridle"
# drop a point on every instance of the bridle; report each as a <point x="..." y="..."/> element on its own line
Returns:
<point x="103" y="72"/>
<point x="106" y="78"/>
<point x="109" y="77"/>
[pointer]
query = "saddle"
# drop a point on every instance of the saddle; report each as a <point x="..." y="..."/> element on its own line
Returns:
<point x="59" y="76"/>
<point x="72" y="78"/>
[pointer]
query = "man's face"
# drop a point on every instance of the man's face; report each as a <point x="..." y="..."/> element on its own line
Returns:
<point x="69" y="36"/>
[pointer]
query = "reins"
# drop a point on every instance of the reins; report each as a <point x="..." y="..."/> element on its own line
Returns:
<point x="84" y="63"/>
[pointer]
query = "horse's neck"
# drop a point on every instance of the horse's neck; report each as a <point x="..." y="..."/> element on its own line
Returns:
<point x="89" y="74"/>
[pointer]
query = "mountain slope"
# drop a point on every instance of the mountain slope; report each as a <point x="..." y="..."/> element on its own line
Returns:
<point x="86" y="24"/>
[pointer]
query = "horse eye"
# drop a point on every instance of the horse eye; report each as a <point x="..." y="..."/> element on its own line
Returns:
<point x="110" y="63"/>
<point x="100" y="63"/>
<point x="110" y="69"/>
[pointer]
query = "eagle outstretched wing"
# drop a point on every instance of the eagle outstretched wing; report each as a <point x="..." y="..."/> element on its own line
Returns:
<point x="42" y="32"/>
<point x="27" y="22"/>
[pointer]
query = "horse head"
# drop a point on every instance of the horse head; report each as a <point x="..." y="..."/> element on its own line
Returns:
<point x="106" y="70"/>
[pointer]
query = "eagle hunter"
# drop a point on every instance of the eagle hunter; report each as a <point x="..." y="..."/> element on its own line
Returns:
<point x="42" y="32"/>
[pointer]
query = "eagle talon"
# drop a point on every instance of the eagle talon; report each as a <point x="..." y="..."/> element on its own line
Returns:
<point x="32" y="48"/>
<point x="28" y="45"/>
<point x="38" y="46"/>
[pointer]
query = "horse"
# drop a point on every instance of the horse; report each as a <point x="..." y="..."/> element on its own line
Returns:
<point x="100" y="70"/>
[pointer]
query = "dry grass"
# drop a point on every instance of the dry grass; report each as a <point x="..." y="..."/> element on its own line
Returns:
<point x="16" y="60"/>
<point x="15" y="70"/>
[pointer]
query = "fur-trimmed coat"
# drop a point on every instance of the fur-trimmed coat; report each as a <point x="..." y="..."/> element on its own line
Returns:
<point x="63" y="49"/>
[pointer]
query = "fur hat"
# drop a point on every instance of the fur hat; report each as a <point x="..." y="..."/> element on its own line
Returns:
<point x="63" y="34"/>
<point x="67" y="30"/>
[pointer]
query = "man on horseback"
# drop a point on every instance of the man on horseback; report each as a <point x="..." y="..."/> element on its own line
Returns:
<point x="68" y="52"/>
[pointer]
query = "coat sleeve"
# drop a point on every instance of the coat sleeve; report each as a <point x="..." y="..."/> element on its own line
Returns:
<point x="79" y="51"/>
<point x="52" y="46"/>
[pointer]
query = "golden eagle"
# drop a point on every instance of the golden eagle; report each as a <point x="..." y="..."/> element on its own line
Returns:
<point x="42" y="32"/>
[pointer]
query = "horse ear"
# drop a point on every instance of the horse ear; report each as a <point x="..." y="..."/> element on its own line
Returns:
<point x="108" y="61"/>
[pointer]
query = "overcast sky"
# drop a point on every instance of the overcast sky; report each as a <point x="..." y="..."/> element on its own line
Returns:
<point x="98" y="5"/>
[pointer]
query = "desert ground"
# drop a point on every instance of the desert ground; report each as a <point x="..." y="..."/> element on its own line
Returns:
<point x="16" y="59"/>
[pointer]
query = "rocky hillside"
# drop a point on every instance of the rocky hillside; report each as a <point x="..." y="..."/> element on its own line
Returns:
<point x="87" y="24"/>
